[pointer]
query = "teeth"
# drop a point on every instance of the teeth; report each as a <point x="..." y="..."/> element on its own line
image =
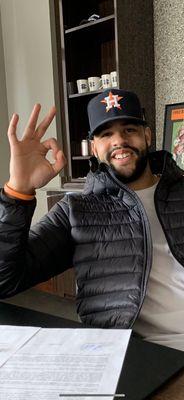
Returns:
<point x="118" y="156"/>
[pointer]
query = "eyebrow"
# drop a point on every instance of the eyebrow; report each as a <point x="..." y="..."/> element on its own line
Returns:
<point x="110" y="126"/>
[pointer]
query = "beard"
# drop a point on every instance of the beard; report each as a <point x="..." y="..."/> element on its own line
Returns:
<point x="140" y="164"/>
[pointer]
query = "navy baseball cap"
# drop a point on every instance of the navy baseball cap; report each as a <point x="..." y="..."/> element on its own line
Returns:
<point x="114" y="104"/>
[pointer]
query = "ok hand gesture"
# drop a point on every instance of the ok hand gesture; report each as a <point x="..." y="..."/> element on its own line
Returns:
<point x="29" y="168"/>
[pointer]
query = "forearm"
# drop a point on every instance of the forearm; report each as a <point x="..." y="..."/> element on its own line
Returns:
<point x="15" y="220"/>
<point x="28" y="257"/>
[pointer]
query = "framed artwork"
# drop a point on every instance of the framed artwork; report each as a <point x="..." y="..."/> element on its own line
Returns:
<point x="173" y="139"/>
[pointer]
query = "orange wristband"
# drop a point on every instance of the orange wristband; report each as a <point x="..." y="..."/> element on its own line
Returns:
<point x="17" y="195"/>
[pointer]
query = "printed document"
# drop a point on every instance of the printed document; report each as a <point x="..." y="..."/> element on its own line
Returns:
<point x="63" y="364"/>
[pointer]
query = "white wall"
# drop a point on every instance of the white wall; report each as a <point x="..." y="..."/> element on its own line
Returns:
<point x="28" y="58"/>
<point x="169" y="58"/>
<point x="28" y="66"/>
<point x="4" y="147"/>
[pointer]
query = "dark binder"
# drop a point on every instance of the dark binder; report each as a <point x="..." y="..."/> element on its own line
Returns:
<point x="147" y="366"/>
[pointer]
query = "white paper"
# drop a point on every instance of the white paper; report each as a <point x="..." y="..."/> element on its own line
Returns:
<point x="12" y="338"/>
<point x="65" y="361"/>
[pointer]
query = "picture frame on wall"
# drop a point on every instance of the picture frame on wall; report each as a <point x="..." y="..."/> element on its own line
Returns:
<point x="173" y="137"/>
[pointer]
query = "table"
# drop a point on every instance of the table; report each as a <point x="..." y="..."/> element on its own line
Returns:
<point x="144" y="367"/>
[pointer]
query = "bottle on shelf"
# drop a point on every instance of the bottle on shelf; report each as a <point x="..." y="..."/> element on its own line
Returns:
<point x="85" y="147"/>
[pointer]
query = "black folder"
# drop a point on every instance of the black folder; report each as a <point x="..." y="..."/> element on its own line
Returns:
<point x="146" y="368"/>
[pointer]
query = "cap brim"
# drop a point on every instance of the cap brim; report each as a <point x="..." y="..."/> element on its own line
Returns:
<point x="98" y="128"/>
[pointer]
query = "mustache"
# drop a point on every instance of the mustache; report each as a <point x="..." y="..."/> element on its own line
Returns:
<point x="109" y="153"/>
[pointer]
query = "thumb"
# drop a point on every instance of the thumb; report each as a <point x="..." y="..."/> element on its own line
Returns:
<point x="60" y="162"/>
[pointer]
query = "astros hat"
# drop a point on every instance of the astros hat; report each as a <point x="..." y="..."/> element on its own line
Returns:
<point x="114" y="104"/>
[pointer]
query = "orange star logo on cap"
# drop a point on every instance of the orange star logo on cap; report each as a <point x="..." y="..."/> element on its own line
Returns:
<point x="112" y="101"/>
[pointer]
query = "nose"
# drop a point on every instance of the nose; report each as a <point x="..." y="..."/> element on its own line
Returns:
<point x="119" y="138"/>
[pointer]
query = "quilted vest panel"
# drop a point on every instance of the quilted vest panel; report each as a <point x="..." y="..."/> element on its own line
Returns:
<point x="110" y="258"/>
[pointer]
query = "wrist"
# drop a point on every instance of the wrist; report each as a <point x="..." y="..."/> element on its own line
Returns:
<point x="11" y="192"/>
<point x="20" y="188"/>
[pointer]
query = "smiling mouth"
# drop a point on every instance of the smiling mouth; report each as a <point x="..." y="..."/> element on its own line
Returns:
<point x="121" y="156"/>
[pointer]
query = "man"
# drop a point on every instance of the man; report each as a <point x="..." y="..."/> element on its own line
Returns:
<point x="124" y="235"/>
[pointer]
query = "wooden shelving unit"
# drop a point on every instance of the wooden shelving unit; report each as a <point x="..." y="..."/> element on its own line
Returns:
<point x="116" y="41"/>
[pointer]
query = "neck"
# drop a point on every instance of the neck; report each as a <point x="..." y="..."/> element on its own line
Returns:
<point x="146" y="180"/>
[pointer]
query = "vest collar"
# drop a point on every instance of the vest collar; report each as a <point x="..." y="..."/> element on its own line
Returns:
<point x="100" y="178"/>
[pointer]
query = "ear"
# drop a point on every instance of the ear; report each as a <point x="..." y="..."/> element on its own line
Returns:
<point x="93" y="148"/>
<point x="148" y="135"/>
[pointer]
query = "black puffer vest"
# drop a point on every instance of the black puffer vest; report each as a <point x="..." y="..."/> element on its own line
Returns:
<point x="113" y="245"/>
<point x="105" y="232"/>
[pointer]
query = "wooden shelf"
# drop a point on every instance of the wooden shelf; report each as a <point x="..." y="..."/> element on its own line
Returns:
<point x="90" y="24"/>
<point x="81" y="158"/>
<point x="78" y="180"/>
<point x="72" y="96"/>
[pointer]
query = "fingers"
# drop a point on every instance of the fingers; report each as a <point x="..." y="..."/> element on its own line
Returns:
<point x="30" y="130"/>
<point x="43" y="126"/>
<point x="60" y="160"/>
<point x="12" y="129"/>
<point x="31" y="125"/>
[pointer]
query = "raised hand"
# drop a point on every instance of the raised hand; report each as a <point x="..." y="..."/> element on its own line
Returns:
<point x="29" y="168"/>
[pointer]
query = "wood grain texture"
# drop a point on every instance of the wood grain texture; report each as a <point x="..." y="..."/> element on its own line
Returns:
<point x="173" y="390"/>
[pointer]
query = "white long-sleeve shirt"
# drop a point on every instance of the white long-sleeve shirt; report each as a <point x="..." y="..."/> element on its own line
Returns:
<point x="161" y="319"/>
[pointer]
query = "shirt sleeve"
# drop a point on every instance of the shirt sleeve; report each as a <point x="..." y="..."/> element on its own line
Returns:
<point x="29" y="256"/>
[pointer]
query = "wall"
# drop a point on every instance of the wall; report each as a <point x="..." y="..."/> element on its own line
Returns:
<point x="169" y="58"/>
<point x="28" y="66"/>
<point x="4" y="147"/>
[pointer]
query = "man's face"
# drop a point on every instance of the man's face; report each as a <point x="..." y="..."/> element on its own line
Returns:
<point x="123" y="146"/>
